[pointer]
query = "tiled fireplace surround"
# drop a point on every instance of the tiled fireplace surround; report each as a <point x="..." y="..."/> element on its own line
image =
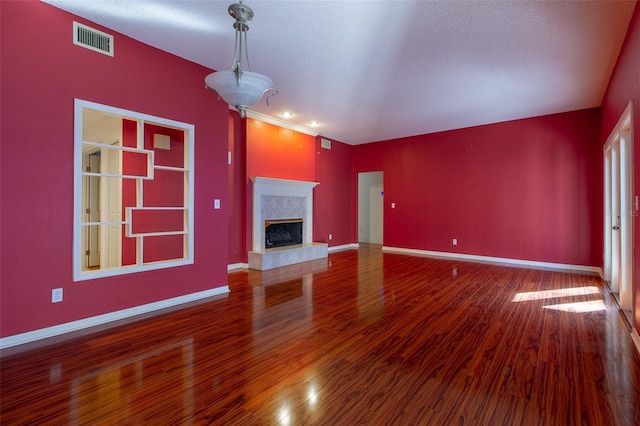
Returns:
<point x="283" y="199"/>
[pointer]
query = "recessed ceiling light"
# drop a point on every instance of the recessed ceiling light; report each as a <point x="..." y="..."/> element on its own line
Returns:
<point x="314" y="123"/>
<point x="286" y="114"/>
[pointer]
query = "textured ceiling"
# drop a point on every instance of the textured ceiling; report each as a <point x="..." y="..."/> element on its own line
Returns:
<point x="376" y="70"/>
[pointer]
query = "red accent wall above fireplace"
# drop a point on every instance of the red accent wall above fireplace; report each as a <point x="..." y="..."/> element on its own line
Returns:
<point x="279" y="153"/>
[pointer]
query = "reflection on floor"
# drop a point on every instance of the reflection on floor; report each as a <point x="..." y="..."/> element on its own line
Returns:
<point x="363" y="337"/>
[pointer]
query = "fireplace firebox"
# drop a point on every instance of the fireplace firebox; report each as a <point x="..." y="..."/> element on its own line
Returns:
<point x="282" y="232"/>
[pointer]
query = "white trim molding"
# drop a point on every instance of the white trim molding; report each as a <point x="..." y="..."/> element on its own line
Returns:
<point x="352" y="246"/>
<point x="636" y="338"/>
<point x="236" y="266"/>
<point x="594" y="270"/>
<point x="56" y="330"/>
<point x="280" y="123"/>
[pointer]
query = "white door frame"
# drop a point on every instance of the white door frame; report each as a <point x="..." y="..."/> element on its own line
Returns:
<point x="619" y="209"/>
<point x="92" y="203"/>
<point x="371" y="223"/>
<point x="111" y="196"/>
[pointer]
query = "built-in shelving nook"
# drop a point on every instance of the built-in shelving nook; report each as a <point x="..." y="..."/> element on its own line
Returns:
<point x="133" y="192"/>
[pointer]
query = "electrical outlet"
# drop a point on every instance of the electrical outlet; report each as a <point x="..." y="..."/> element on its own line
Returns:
<point x="56" y="295"/>
<point x="216" y="204"/>
<point x="455" y="241"/>
<point x="330" y="236"/>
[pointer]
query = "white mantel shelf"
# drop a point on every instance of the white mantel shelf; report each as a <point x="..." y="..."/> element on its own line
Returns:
<point x="273" y="186"/>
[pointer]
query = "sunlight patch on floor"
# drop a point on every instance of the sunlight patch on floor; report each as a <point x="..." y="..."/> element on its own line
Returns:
<point x="579" y="307"/>
<point x="550" y="294"/>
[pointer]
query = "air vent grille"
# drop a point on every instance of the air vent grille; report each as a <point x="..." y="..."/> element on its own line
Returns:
<point x="325" y="143"/>
<point x="92" y="39"/>
<point x="161" y="141"/>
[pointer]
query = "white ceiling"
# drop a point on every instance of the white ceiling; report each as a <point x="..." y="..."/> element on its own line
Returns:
<point x="376" y="70"/>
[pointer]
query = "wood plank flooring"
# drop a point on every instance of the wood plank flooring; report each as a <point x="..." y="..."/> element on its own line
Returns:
<point x="365" y="338"/>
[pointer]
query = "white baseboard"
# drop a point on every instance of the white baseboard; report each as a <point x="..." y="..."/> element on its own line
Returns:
<point x="344" y="247"/>
<point x="635" y="337"/>
<point x="497" y="260"/>
<point x="234" y="266"/>
<point x="56" y="330"/>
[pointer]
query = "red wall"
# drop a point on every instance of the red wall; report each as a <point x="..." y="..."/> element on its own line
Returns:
<point x="262" y="149"/>
<point x="165" y="190"/>
<point x="526" y="189"/>
<point x="42" y="72"/>
<point x="624" y="86"/>
<point x="332" y="209"/>
<point x="237" y="208"/>
<point x="277" y="152"/>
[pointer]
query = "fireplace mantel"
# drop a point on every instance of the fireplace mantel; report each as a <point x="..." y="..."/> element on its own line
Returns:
<point x="273" y="186"/>
<point x="263" y="186"/>
<point x="282" y="199"/>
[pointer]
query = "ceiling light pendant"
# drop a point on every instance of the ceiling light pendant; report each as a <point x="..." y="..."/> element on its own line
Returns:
<point x="238" y="87"/>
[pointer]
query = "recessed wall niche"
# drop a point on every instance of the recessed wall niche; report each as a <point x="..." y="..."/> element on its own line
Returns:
<point x="133" y="200"/>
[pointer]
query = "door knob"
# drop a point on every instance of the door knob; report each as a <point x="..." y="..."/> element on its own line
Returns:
<point x="615" y="228"/>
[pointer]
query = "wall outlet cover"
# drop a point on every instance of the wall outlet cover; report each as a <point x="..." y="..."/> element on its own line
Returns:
<point x="56" y="295"/>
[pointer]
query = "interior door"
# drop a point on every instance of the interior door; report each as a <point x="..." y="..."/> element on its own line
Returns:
<point x="625" y="220"/>
<point x="615" y="217"/>
<point x="370" y="207"/>
<point x="619" y="213"/>
<point x="111" y="196"/>
<point x="92" y="210"/>
<point x="376" y="205"/>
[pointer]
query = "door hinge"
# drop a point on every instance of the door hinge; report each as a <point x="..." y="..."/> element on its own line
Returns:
<point x="88" y="252"/>
<point x="89" y="168"/>
<point x="87" y="211"/>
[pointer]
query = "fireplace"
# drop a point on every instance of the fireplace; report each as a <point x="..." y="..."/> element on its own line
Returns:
<point x="282" y="232"/>
<point x="281" y="200"/>
<point x="287" y="207"/>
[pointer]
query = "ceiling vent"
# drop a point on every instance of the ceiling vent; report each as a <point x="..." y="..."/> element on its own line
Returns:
<point x="93" y="39"/>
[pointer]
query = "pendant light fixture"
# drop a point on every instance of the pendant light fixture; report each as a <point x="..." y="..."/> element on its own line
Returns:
<point x="238" y="87"/>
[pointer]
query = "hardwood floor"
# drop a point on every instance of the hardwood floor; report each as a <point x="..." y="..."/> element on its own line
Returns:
<point x="366" y="338"/>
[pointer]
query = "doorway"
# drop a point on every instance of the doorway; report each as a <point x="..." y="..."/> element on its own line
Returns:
<point x="92" y="210"/>
<point x="370" y="207"/>
<point x="102" y="236"/>
<point x="620" y="208"/>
